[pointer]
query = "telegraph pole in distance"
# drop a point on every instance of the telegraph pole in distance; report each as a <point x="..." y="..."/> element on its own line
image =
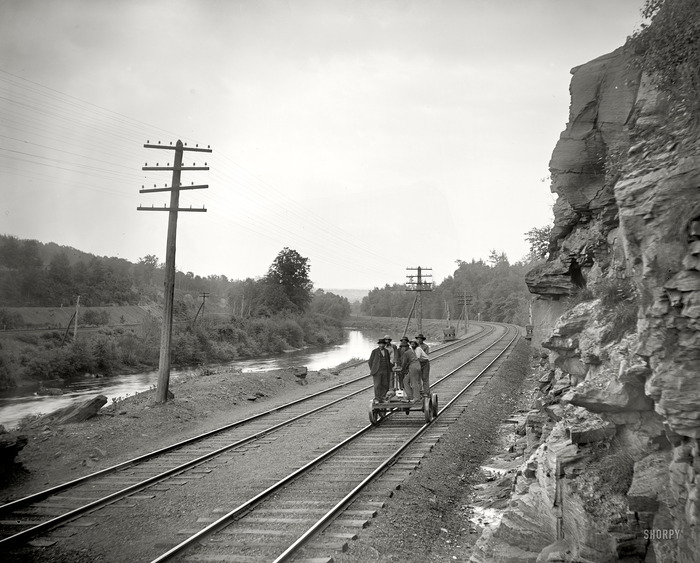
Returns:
<point x="418" y="283"/>
<point x="174" y="189"/>
<point x="77" y="308"/>
<point x="201" y="307"/>
<point x="465" y="301"/>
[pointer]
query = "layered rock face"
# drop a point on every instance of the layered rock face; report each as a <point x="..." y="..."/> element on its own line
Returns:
<point x="614" y="458"/>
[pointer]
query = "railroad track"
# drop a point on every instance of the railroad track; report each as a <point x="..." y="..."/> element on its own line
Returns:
<point x="145" y="478"/>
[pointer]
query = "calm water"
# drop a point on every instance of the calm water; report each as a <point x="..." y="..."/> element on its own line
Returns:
<point x="16" y="404"/>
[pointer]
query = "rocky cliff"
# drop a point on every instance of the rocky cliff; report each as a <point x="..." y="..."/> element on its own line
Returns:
<point x="613" y="438"/>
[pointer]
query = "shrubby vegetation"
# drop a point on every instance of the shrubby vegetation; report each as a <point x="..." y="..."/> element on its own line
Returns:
<point x="277" y="312"/>
<point x="117" y="350"/>
<point x="668" y="49"/>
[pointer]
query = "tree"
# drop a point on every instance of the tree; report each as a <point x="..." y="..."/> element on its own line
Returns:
<point x="498" y="258"/>
<point x="538" y="238"/>
<point x="61" y="279"/>
<point x="330" y="304"/>
<point x="290" y="272"/>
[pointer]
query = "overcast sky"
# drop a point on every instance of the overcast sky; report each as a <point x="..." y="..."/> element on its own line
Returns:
<point x="370" y="136"/>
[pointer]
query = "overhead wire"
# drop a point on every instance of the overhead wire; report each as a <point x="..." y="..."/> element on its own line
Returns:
<point x="58" y="106"/>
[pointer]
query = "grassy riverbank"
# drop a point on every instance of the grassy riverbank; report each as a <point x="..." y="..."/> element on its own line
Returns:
<point x="28" y="358"/>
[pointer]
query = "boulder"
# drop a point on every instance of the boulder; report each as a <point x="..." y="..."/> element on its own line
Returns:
<point x="73" y="413"/>
<point x="10" y="446"/>
<point x="551" y="279"/>
<point x="610" y="397"/>
<point x="592" y="429"/>
<point x="649" y="479"/>
<point x="299" y="371"/>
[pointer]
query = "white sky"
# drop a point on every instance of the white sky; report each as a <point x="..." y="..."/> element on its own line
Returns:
<point x="370" y="136"/>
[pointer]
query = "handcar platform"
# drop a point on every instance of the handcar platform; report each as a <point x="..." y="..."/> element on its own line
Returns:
<point x="380" y="409"/>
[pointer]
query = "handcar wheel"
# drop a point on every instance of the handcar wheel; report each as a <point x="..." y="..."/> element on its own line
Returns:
<point x="373" y="416"/>
<point x="427" y="409"/>
<point x="434" y="400"/>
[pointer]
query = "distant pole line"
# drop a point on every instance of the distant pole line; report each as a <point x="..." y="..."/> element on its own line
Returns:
<point x="420" y="285"/>
<point x="77" y="308"/>
<point x="174" y="189"/>
<point x="410" y="313"/>
<point x="201" y="308"/>
<point x="465" y="301"/>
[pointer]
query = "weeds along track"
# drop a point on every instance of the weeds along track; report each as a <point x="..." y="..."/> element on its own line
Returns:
<point x="238" y="466"/>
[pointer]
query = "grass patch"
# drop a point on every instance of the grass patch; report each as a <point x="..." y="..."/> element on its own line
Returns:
<point x="619" y="299"/>
<point x="603" y="484"/>
<point x="348" y="363"/>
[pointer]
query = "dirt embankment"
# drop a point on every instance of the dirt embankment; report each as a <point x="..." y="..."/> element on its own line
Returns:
<point x="138" y="424"/>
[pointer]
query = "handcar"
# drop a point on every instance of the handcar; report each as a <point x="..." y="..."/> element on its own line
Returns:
<point x="396" y="401"/>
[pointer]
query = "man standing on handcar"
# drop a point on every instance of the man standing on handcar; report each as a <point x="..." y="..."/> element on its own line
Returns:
<point x="380" y="370"/>
<point x="424" y="365"/>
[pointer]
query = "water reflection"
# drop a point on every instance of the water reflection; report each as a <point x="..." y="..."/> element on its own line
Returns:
<point x="356" y="345"/>
<point x="16" y="404"/>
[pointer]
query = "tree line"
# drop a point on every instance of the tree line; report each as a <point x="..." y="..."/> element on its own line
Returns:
<point x="496" y="290"/>
<point x="270" y="314"/>
<point x="35" y="274"/>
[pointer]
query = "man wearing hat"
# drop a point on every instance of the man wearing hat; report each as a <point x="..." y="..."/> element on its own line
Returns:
<point x="380" y="370"/>
<point x="392" y="349"/>
<point x="401" y="350"/>
<point x="424" y="365"/>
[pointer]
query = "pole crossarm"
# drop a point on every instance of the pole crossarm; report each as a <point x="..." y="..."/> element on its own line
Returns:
<point x="186" y="168"/>
<point x="152" y="208"/>
<point x="174" y="147"/>
<point x="421" y="284"/>
<point x="171" y="188"/>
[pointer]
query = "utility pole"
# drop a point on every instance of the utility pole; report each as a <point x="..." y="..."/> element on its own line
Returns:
<point x="75" y="329"/>
<point x="465" y="301"/>
<point x="418" y="283"/>
<point x="201" y="307"/>
<point x="174" y="189"/>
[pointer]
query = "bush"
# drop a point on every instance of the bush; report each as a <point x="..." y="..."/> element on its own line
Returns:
<point x="6" y="379"/>
<point x="105" y="355"/>
<point x="604" y="483"/>
<point x="186" y="350"/>
<point x="32" y="339"/>
<point x="70" y="361"/>
<point x="619" y="299"/>
<point x="669" y="51"/>
<point x="10" y="320"/>
<point x="92" y="317"/>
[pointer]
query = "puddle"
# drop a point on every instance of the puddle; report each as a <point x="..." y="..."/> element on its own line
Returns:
<point x="493" y="471"/>
<point x="485" y="517"/>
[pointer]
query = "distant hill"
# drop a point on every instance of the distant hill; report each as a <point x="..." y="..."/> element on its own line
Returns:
<point x="350" y="294"/>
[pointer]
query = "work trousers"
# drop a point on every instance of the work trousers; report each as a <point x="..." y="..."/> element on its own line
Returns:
<point x="381" y="383"/>
<point x="425" y="378"/>
<point x="412" y="381"/>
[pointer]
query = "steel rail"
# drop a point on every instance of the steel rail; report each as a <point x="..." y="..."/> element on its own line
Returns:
<point x="98" y="503"/>
<point x="227" y="518"/>
<point x="40" y="495"/>
<point x="340" y="506"/>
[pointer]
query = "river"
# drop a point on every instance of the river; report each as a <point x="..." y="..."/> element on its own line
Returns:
<point x="16" y="404"/>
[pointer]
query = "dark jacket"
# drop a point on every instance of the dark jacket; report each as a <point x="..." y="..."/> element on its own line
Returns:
<point x="375" y="361"/>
